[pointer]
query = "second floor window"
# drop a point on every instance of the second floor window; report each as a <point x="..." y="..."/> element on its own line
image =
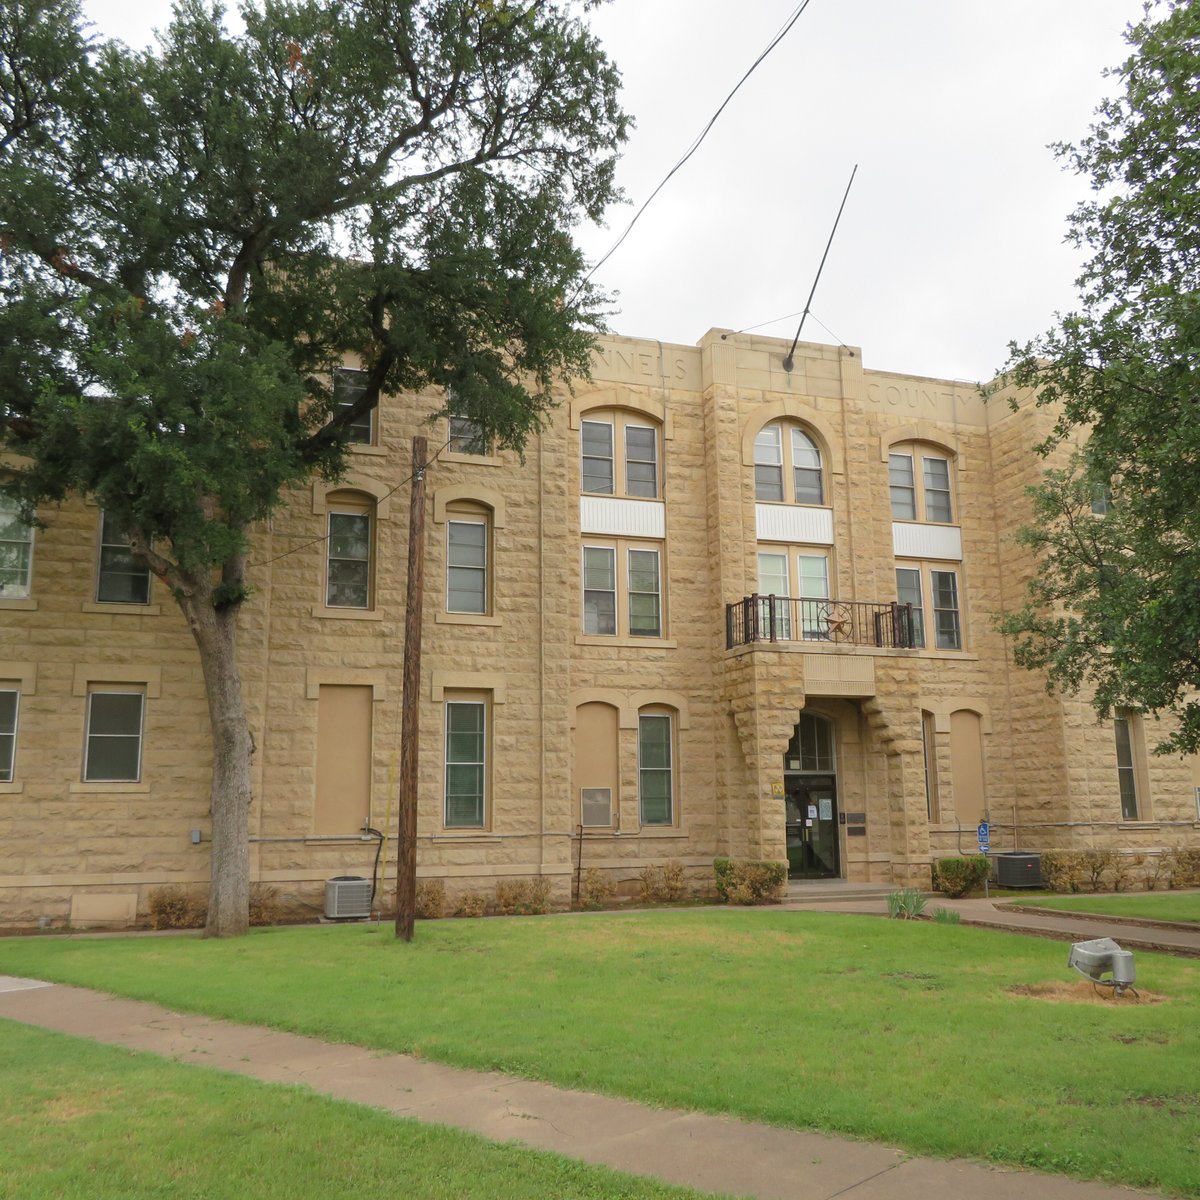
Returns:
<point x="113" y="745"/>
<point x="619" y="457"/>
<point x="121" y="577"/>
<point x="348" y="574"/>
<point x="631" y="572"/>
<point x="787" y="467"/>
<point x="467" y="565"/>
<point x="932" y="590"/>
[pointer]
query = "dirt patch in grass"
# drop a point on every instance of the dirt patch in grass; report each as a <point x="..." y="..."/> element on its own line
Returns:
<point x="1082" y="993"/>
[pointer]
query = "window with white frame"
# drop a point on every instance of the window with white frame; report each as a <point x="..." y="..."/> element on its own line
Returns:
<point x="467" y="567"/>
<point x="656" y="784"/>
<point x="348" y="553"/>
<point x="787" y="466"/>
<point x="121" y="577"/>
<point x="619" y="456"/>
<point x="349" y="386"/>
<point x="465" y="433"/>
<point x="466" y="765"/>
<point x="932" y="589"/>
<point x="798" y="579"/>
<point x="113" y="742"/>
<point x="16" y="551"/>
<point x="920" y="485"/>
<point x="630" y="570"/>
<point x="10" y="704"/>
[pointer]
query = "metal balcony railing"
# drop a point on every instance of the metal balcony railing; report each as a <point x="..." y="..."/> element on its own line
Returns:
<point x="846" y="622"/>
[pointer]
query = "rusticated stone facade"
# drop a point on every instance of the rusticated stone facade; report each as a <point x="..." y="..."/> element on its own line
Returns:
<point x="617" y="699"/>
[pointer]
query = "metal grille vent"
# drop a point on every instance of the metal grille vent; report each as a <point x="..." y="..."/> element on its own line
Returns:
<point x="596" y="806"/>
<point x="346" y="897"/>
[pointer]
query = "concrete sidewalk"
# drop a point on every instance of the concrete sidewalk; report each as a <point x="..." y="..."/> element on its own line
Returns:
<point x="714" y="1154"/>
<point x="1060" y="925"/>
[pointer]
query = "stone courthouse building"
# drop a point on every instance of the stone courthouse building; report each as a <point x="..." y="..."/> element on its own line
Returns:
<point x="721" y="608"/>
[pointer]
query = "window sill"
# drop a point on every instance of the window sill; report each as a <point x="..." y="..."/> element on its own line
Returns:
<point x="466" y="835"/>
<point x="116" y="609"/>
<point x="347" y="614"/>
<point x="83" y="787"/>
<point x="19" y="604"/>
<point x="480" y="460"/>
<point x="587" y="639"/>
<point x="368" y="449"/>
<point x="11" y="789"/>
<point x="447" y="618"/>
<point x="1145" y="823"/>
<point x="660" y="831"/>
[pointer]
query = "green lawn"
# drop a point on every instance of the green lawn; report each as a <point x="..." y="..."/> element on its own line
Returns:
<point x="905" y="1032"/>
<point x="1154" y="906"/>
<point x="80" y="1121"/>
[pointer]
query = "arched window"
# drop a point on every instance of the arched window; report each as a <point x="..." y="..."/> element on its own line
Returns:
<point x="787" y="466"/>
<point x="349" y="573"/>
<point x="620" y="454"/>
<point x="920" y="479"/>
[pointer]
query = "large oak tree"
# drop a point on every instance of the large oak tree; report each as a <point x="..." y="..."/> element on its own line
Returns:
<point x="193" y="237"/>
<point x="1115" y="606"/>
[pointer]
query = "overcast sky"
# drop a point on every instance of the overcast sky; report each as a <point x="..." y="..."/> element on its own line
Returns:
<point x="952" y="239"/>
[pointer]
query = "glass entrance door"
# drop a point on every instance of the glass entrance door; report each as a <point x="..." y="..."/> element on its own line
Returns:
<point x="812" y="826"/>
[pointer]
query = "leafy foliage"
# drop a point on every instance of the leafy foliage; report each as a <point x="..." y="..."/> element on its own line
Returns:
<point x="958" y="876"/>
<point x="1116" y="604"/>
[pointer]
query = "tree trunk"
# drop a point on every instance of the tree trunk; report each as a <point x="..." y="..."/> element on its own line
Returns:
<point x="229" y="894"/>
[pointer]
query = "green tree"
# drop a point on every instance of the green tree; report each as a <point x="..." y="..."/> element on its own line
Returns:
<point x="1115" y="606"/>
<point x="195" y="236"/>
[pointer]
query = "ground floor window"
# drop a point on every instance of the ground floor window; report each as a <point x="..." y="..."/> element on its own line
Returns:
<point x="465" y="779"/>
<point x="655" y="769"/>
<point x="10" y="703"/>
<point x="113" y="744"/>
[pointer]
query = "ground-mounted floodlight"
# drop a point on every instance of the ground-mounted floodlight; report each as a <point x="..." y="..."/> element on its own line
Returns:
<point x="1100" y="957"/>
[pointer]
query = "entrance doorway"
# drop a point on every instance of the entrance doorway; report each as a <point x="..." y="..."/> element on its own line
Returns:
<point x="810" y="799"/>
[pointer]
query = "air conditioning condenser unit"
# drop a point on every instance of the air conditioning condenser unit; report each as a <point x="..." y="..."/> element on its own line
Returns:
<point x="347" y="897"/>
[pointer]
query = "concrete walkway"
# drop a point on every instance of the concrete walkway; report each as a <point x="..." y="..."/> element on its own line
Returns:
<point x="714" y="1154"/>
<point x="1172" y="938"/>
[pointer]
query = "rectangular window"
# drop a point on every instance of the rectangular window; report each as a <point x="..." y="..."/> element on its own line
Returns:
<point x="10" y="703"/>
<point x="599" y="590"/>
<point x="595" y="806"/>
<point x="466" y="764"/>
<point x="349" y="554"/>
<point x="645" y="606"/>
<point x="773" y="581"/>
<point x="641" y="461"/>
<point x="113" y="749"/>
<point x="466" y="435"/>
<point x="768" y="465"/>
<point x="903" y="487"/>
<point x="908" y="591"/>
<point x="944" y="585"/>
<point x="1101" y="498"/>
<point x="121" y="578"/>
<point x="937" y="489"/>
<point x="596" y="438"/>
<point x="1126" y="769"/>
<point x="16" y="551"/>
<point x="655" y="792"/>
<point x="812" y="573"/>
<point x="348" y="388"/>
<point x="466" y="567"/>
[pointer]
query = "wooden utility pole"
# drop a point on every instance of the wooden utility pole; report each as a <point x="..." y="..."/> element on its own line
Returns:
<point x="406" y="840"/>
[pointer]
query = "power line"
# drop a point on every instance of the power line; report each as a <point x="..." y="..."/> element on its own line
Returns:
<point x="783" y="32"/>
<point x="266" y="562"/>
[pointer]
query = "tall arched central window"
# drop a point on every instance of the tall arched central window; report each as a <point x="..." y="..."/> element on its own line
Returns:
<point x="787" y="466"/>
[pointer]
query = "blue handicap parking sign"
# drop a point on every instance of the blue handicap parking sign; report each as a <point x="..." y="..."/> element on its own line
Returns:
<point x="983" y="837"/>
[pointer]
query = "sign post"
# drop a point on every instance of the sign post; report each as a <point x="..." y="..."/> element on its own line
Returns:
<point x="984" y="846"/>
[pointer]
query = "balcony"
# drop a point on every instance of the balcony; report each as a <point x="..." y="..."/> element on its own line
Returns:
<point x="886" y="626"/>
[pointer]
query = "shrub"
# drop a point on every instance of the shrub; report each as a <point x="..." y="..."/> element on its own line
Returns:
<point x="595" y="889"/>
<point x="749" y="882"/>
<point x="905" y="904"/>
<point x="471" y="904"/>
<point x="1157" y="871"/>
<point x="1095" y="864"/>
<point x="662" y="885"/>
<point x="958" y="876"/>
<point x="1182" y="867"/>
<point x="946" y="916"/>
<point x="1122" y="870"/>
<point x="265" y="908"/>
<point x="431" y="899"/>
<point x="1062" y="870"/>
<point x="175" y="908"/>
<point x="523" y="897"/>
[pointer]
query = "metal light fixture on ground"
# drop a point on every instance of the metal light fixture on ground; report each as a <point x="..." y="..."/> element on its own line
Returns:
<point x="1100" y="957"/>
